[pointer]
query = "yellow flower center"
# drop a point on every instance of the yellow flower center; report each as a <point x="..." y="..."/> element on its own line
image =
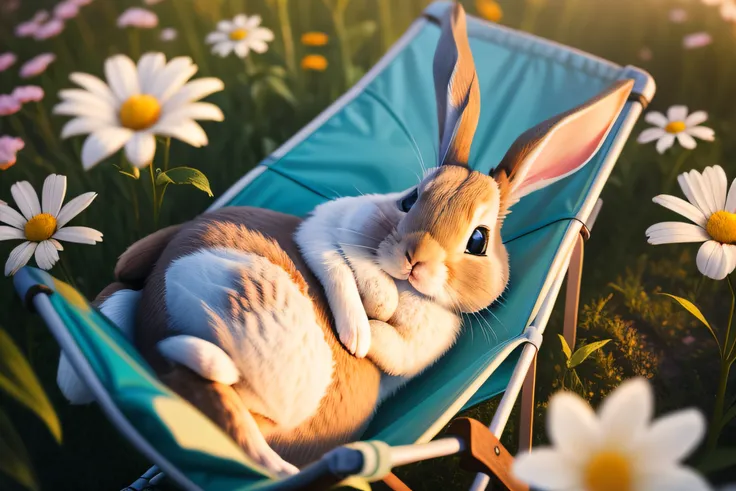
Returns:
<point x="722" y="227"/>
<point x="489" y="9"/>
<point x="608" y="471"/>
<point x="140" y="112"/>
<point x="238" y="34"/>
<point x="314" y="38"/>
<point x="40" y="228"/>
<point x="314" y="62"/>
<point x="675" y="127"/>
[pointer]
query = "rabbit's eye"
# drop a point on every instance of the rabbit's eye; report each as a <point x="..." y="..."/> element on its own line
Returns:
<point x="478" y="242"/>
<point x="408" y="201"/>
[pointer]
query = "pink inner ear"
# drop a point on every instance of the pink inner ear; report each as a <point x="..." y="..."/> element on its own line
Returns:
<point x="572" y="143"/>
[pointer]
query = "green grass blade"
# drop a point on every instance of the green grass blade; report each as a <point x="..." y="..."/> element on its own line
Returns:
<point x="565" y="347"/>
<point x="14" y="459"/>
<point x="585" y="351"/>
<point x="695" y="311"/>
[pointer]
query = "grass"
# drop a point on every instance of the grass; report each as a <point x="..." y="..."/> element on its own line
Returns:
<point x="622" y="273"/>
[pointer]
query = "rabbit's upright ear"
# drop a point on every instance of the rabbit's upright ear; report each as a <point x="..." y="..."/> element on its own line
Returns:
<point x="561" y="145"/>
<point x="456" y="90"/>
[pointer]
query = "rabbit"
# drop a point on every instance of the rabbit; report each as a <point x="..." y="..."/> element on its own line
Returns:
<point x="288" y="333"/>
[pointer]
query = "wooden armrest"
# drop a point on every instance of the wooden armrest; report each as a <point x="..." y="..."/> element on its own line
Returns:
<point x="484" y="452"/>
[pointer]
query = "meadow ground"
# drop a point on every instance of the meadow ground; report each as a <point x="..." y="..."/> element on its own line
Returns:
<point x="688" y="47"/>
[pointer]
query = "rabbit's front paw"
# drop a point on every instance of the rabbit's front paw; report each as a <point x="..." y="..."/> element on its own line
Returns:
<point x="379" y="296"/>
<point x="355" y="333"/>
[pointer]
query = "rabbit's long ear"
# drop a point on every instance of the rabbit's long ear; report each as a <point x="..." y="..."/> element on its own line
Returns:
<point x="456" y="90"/>
<point x="561" y="145"/>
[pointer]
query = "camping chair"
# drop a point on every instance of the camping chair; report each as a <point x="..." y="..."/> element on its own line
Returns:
<point x="376" y="139"/>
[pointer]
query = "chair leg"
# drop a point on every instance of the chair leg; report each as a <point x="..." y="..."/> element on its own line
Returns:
<point x="572" y="294"/>
<point x="526" y="425"/>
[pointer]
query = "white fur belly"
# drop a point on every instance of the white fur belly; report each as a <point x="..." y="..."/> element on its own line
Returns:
<point x="250" y="308"/>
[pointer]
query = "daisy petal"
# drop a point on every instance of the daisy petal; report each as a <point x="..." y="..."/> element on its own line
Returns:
<point x="259" y="46"/>
<point x="26" y="199"/>
<point x="222" y="49"/>
<point x="57" y="244"/>
<point x="626" y="412"/>
<point x="730" y="200"/>
<point x="696" y="118"/>
<point x="691" y="185"/>
<point x="193" y="91"/>
<point x="686" y="140"/>
<point x="122" y="76"/>
<point x="216" y="37"/>
<point x="140" y="149"/>
<point x="79" y="235"/>
<point x="225" y="26"/>
<point x="706" y="134"/>
<point x="677" y="113"/>
<point x="651" y="134"/>
<point x="197" y="110"/>
<point x="74" y="208"/>
<point x="172" y="78"/>
<point x="10" y="233"/>
<point x="148" y="65"/>
<point x="187" y="131"/>
<point x="672" y="438"/>
<point x="240" y="20"/>
<point x="11" y="217"/>
<point x="46" y="255"/>
<point x="82" y="126"/>
<point x="716" y="177"/>
<point x="242" y="49"/>
<point x="263" y="34"/>
<point x="545" y="468"/>
<point x="656" y="118"/>
<point x="572" y="426"/>
<point x="714" y="261"/>
<point x="253" y="22"/>
<point x="80" y="103"/>
<point x="679" y="205"/>
<point x="94" y="85"/>
<point x="673" y="478"/>
<point x="52" y="196"/>
<point x="675" y="233"/>
<point x="103" y="143"/>
<point x="665" y="143"/>
<point x="19" y="257"/>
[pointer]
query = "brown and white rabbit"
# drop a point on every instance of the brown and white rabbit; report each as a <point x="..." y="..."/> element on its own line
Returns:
<point x="243" y="310"/>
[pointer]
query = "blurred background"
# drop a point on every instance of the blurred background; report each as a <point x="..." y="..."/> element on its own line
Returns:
<point x="320" y="49"/>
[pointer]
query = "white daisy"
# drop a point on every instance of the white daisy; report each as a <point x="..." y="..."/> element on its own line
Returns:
<point x="137" y="103"/>
<point x="42" y="225"/>
<point x="240" y="35"/>
<point x="619" y="449"/>
<point x="677" y="124"/>
<point x="713" y="213"/>
<point x="727" y="8"/>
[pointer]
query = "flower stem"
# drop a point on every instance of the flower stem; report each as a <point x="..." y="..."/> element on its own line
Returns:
<point x="714" y="429"/>
<point x="68" y="278"/>
<point x="167" y="150"/>
<point x="154" y="199"/>
<point x="286" y="34"/>
<point x="675" y="170"/>
<point x="135" y="43"/>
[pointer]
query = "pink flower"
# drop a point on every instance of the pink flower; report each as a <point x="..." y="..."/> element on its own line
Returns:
<point x="27" y="93"/>
<point x="138" y="17"/>
<point x="152" y="2"/>
<point x="688" y="340"/>
<point x="66" y="10"/>
<point x="40" y="16"/>
<point x="645" y="54"/>
<point x="697" y="40"/>
<point x="168" y="34"/>
<point x="8" y="105"/>
<point x="36" y="66"/>
<point x="678" y="15"/>
<point x="29" y="28"/>
<point x="9" y="146"/>
<point x="50" y="29"/>
<point x="7" y="60"/>
<point x="80" y="3"/>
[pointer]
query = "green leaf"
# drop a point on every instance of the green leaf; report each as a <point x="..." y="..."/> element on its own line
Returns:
<point x="19" y="382"/>
<point x="14" y="459"/>
<point x="353" y="483"/>
<point x="717" y="460"/>
<point x="358" y="34"/>
<point x="690" y="307"/>
<point x="185" y="175"/>
<point x="585" y="351"/>
<point x="278" y="86"/>
<point x="565" y="347"/>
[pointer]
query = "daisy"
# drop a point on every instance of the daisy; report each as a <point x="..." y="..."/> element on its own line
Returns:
<point x="168" y="34"/>
<point x="66" y="10"/>
<point x="713" y="213"/>
<point x="697" y="40"/>
<point x="9" y="147"/>
<point x="619" y="449"/>
<point x="42" y="224"/>
<point x="676" y="125"/>
<point x="7" y="60"/>
<point x="29" y="28"/>
<point x="27" y="93"/>
<point x="48" y="30"/>
<point x="137" y="103"/>
<point x="37" y="65"/>
<point x="240" y="35"/>
<point x="8" y="105"/>
<point x="138" y="17"/>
